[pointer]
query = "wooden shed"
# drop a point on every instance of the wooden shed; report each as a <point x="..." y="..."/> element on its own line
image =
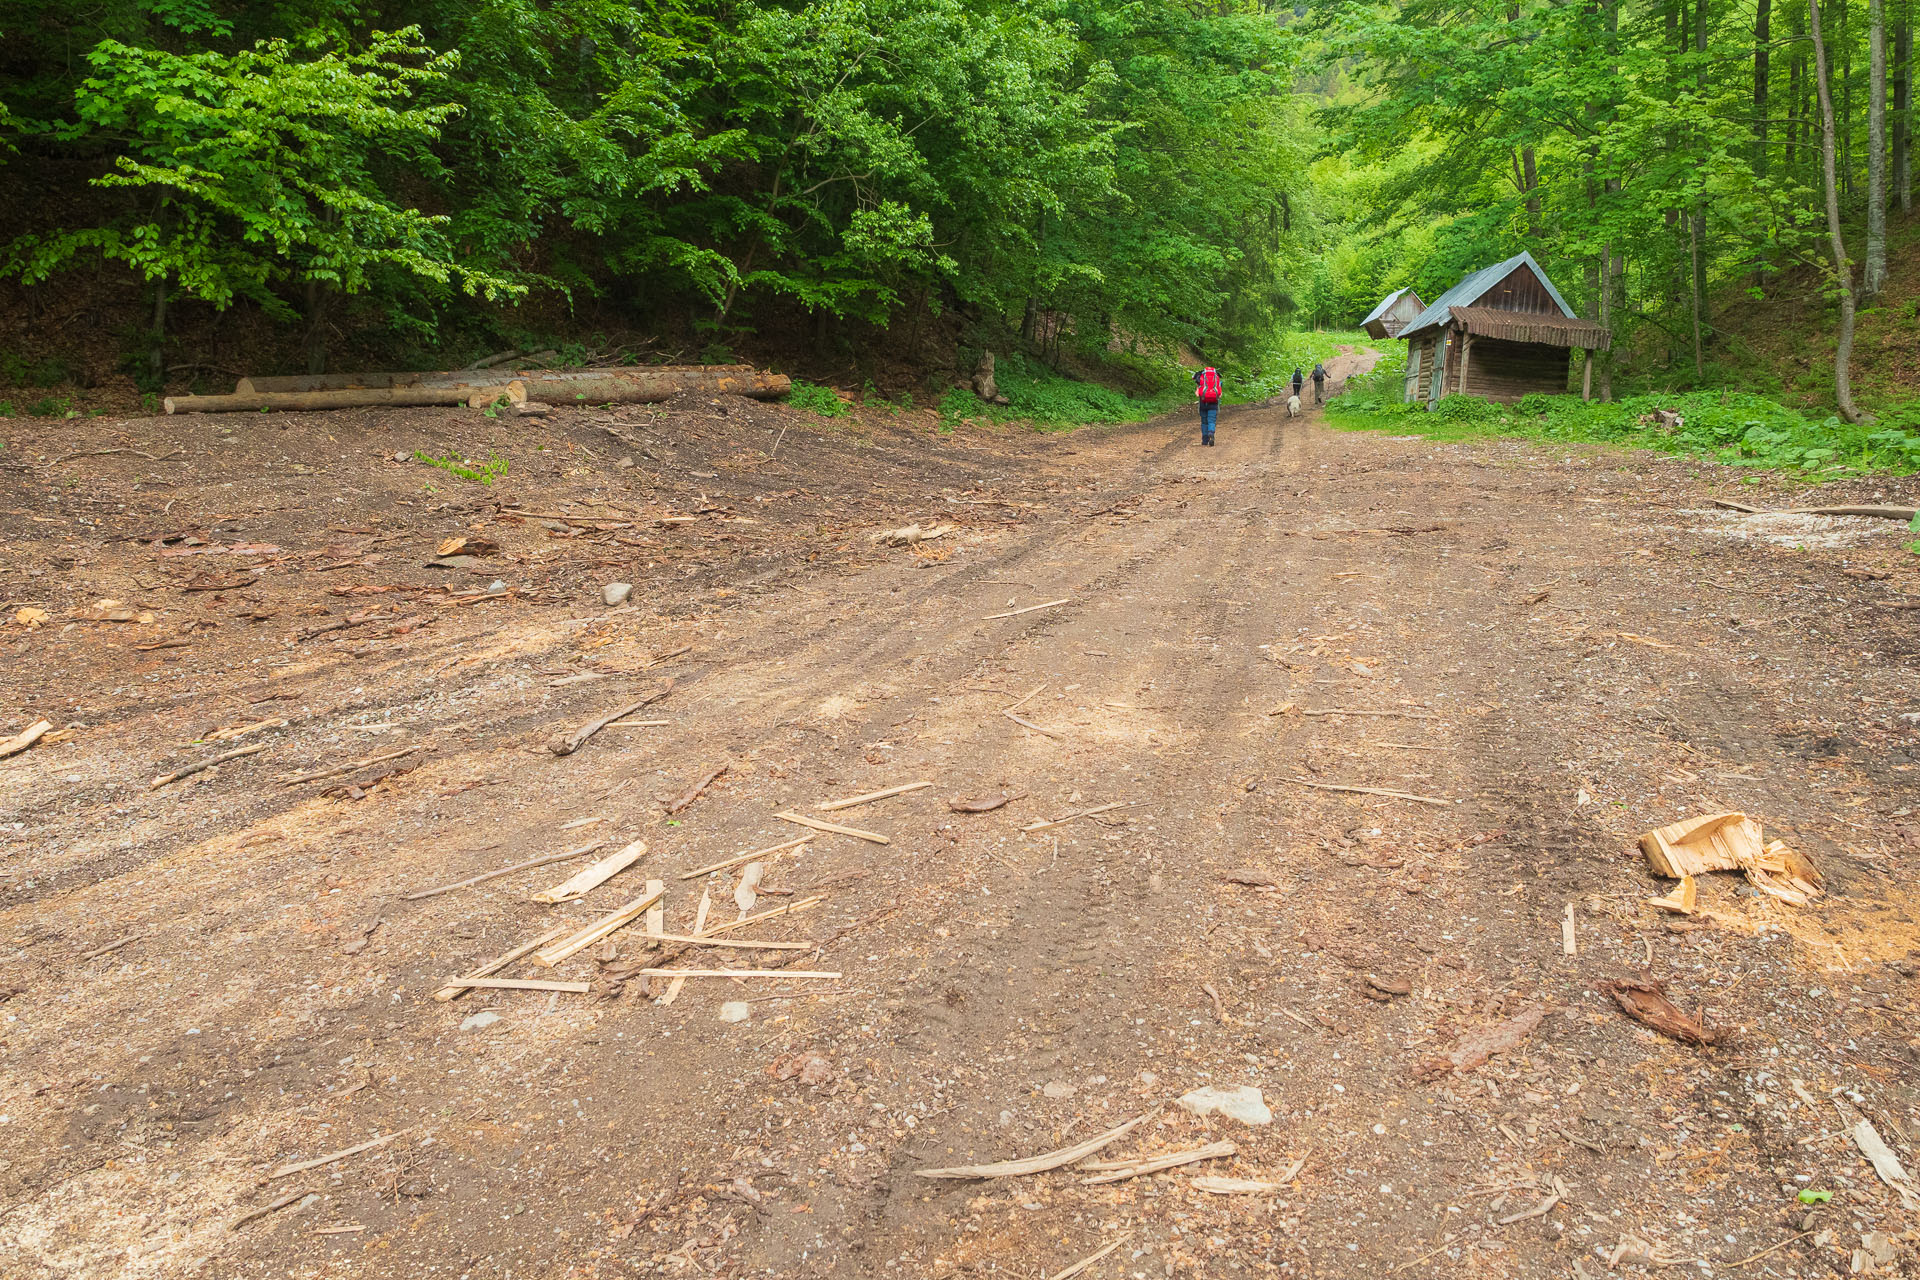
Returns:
<point x="1393" y="313"/>
<point x="1500" y="334"/>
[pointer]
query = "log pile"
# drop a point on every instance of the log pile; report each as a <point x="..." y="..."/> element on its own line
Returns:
<point x="478" y="388"/>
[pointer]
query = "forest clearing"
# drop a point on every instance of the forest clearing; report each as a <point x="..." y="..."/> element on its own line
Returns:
<point x="627" y="647"/>
<point x="1248" y="657"/>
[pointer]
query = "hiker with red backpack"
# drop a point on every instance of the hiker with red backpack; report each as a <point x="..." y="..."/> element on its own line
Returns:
<point x="1206" y="389"/>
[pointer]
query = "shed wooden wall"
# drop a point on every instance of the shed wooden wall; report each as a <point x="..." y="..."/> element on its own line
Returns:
<point x="1425" y="349"/>
<point x="1401" y="314"/>
<point x="1504" y="371"/>
<point x="1520" y="291"/>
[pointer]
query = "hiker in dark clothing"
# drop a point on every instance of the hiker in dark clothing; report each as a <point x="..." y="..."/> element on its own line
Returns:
<point x="1319" y="383"/>
<point x="1206" y="389"/>
<point x="1298" y="380"/>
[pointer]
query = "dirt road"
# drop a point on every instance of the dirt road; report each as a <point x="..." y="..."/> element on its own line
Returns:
<point x="1555" y="650"/>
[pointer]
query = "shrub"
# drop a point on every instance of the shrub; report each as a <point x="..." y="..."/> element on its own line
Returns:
<point x="815" y="398"/>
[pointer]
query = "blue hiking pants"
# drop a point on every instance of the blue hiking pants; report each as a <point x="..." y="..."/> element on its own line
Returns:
<point x="1209" y="414"/>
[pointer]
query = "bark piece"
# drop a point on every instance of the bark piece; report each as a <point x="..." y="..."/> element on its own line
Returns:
<point x="1476" y="1047"/>
<point x="1647" y="1003"/>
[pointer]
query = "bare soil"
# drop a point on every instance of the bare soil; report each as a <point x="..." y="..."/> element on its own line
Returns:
<point x="1566" y="647"/>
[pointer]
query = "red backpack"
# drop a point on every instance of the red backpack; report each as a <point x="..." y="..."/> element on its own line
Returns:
<point x="1208" y="388"/>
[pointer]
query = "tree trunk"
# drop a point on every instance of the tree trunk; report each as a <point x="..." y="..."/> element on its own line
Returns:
<point x="1842" y="268"/>
<point x="1697" y="233"/>
<point x="1531" y="186"/>
<point x="1874" y="279"/>
<point x="1845" y="118"/>
<point x="1903" y="107"/>
<point x="1762" y="39"/>
<point x="157" y="335"/>
<point x="314" y="339"/>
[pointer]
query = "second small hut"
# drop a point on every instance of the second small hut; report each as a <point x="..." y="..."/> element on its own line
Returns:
<point x="1502" y="333"/>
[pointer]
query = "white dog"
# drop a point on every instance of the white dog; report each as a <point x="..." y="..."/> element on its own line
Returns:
<point x="1293" y="406"/>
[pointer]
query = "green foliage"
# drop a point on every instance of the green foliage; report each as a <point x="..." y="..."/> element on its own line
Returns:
<point x="1738" y="428"/>
<point x="485" y="472"/>
<point x="1039" y="396"/>
<point x="52" y="407"/>
<point x="1133" y="170"/>
<point x="815" y="398"/>
<point x="253" y="169"/>
<point x="22" y="371"/>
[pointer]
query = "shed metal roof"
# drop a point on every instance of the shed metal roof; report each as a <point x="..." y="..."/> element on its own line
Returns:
<point x="1386" y="304"/>
<point x="1471" y="289"/>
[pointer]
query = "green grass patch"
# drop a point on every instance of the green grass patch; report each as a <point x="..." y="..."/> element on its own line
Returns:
<point x="1727" y="426"/>
<point x="1051" y="401"/>
<point x="815" y="398"/>
<point x="1270" y="373"/>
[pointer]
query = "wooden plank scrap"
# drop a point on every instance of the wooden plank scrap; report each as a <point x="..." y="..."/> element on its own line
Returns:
<point x="672" y="992"/>
<point x="836" y="829"/>
<point x="454" y="989"/>
<point x="1014" y="613"/>
<point x="485" y="876"/>
<point x="828" y="806"/>
<point x="1040" y="1163"/>
<point x="1121" y="1170"/>
<point x="524" y="984"/>
<point x="607" y="924"/>
<point x="737" y="859"/>
<point x="25" y="738"/>
<point x="590" y="878"/>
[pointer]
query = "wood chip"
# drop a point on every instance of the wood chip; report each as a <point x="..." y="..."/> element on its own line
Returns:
<point x="828" y="806"/>
<point x="985" y="805"/>
<point x="698" y="789"/>
<point x="295" y="780"/>
<point x="820" y="825"/>
<point x="607" y="924"/>
<point x="1039" y="1163"/>
<point x="272" y="1207"/>
<point x="1368" y="791"/>
<point x="590" y="878"/>
<point x="737" y="859"/>
<point x="114" y="946"/>
<point x="460" y="986"/>
<point x="1236" y="1186"/>
<point x="25" y="738"/>
<point x="1344" y="711"/>
<point x="1014" y="613"/>
<point x="1084" y="813"/>
<point x="578" y="738"/>
<point x="1028" y="724"/>
<point x="1121" y="1170"/>
<point x="290" y="1169"/>
<point x="1068" y="1273"/>
<point x="192" y="769"/>
<point x="485" y="876"/>
<point x="734" y="973"/>
<point x="1886" y="1164"/>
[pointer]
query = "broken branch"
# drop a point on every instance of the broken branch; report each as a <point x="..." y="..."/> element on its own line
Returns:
<point x="192" y="769"/>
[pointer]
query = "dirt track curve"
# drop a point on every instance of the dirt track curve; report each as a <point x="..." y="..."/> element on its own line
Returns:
<point x="1558" y="650"/>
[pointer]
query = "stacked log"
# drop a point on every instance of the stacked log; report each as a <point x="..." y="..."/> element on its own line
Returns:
<point x="644" y="384"/>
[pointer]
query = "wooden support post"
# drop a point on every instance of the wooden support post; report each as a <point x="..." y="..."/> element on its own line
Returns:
<point x="1586" y="376"/>
<point x="1466" y="351"/>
